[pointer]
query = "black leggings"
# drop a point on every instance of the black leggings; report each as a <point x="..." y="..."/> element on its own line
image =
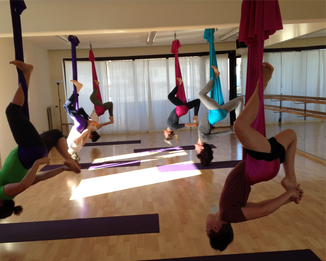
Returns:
<point x="31" y="145"/>
<point x="177" y="102"/>
<point x="79" y="117"/>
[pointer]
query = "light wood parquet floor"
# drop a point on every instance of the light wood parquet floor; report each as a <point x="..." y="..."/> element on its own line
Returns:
<point x="182" y="205"/>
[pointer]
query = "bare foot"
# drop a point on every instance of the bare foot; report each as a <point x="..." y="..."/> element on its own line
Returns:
<point x="112" y="119"/>
<point x="267" y="73"/>
<point x="72" y="165"/>
<point x="24" y="67"/>
<point x="288" y="183"/>
<point x="97" y="83"/>
<point x="180" y="81"/>
<point x="216" y="71"/>
<point x="195" y="118"/>
<point x="77" y="84"/>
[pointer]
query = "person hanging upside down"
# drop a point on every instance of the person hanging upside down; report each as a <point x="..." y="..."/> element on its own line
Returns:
<point x="20" y="167"/>
<point x="262" y="163"/>
<point x="81" y="130"/>
<point x="182" y="109"/>
<point x="215" y="114"/>
<point x="94" y="136"/>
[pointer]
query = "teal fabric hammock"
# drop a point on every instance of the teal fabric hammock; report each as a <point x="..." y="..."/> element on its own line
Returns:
<point x="214" y="116"/>
<point x="216" y="92"/>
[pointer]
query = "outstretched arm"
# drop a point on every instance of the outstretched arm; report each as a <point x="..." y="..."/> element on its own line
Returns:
<point x="265" y="208"/>
<point x="195" y="124"/>
<point x="13" y="189"/>
<point x="49" y="174"/>
<point x="100" y="125"/>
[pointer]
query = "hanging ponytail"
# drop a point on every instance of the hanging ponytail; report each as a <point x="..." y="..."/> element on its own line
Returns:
<point x="8" y="208"/>
<point x="171" y="137"/>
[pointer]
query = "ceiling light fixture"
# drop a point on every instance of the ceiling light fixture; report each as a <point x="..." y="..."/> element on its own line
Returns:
<point x="63" y="38"/>
<point x="229" y="34"/>
<point x="151" y="37"/>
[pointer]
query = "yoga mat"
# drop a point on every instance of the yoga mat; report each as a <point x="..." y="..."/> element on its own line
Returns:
<point x="79" y="228"/>
<point x="162" y="149"/>
<point x="297" y="255"/>
<point x="199" y="166"/>
<point x="112" y="143"/>
<point x="101" y="165"/>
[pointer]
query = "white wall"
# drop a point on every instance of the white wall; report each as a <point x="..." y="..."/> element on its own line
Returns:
<point x="40" y="93"/>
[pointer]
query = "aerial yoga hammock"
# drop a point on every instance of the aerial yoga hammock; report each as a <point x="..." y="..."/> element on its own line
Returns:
<point x="259" y="19"/>
<point x="96" y="99"/>
<point x="72" y="106"/>
<point x="81" y="130"/>
<point x="217" y="109"/>
<point x="20" y="167"/>
<point x="178" y="97"/>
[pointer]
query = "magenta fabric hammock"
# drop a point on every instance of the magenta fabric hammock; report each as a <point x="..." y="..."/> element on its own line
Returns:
<point x="259" y="20"/>
<point x="100" y="110"/>
<point x="180" y="110"/>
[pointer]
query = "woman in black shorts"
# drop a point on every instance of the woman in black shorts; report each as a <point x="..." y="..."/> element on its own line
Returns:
<point x="261" y="164"/>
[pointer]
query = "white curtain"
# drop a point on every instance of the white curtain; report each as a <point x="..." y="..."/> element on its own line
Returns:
<point x="295" y="73"/>
<point x="139" y="89"/>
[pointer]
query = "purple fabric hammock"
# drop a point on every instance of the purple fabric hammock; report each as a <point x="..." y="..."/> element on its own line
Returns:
<point x="259" y="20"/>
<point x="17" y="7"/>
<point x="78" y="119"/>
<point x="100" y="110"/>
<point x="180" y="110"/>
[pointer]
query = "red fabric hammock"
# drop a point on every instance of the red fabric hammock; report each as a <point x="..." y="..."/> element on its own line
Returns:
<point x="259" y="20"/>
<point x="180" y="110"/>
<point x="100" y="110"/>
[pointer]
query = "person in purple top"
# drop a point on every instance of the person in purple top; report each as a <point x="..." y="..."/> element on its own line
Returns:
<point x="265" y="157"/>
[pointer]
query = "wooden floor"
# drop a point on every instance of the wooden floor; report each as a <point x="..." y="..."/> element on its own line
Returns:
<point x="182" y="205"/>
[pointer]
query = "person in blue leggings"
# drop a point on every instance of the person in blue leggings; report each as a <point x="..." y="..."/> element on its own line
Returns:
<point x="20" y="168"/>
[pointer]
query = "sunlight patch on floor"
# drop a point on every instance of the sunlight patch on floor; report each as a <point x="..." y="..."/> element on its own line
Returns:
<point x="116" y="182"/>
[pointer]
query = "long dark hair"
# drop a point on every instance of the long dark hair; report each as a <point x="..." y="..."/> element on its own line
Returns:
<point x="8" y="208"/>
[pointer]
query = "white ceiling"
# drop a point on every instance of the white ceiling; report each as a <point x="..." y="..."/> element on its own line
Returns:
<point x="121" y="40"/>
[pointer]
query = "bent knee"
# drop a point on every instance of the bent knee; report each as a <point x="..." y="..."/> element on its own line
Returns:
<point x="238" y="126"/>
<point x="201" y="95"/>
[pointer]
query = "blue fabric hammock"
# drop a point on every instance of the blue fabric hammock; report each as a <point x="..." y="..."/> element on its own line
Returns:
<point x="17" y="7"/>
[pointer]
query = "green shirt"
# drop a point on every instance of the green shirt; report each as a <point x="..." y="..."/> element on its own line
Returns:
<point x="11" y="172"/>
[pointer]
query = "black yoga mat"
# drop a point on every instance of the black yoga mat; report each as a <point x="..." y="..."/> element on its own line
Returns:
<point x="295" y="255"/>
<point x="162" y="149"/>
<point x="194" y="166"/>
<point x="112" y="143"/>
<point x="102" y="165"/>
<point x="79" y="228"/>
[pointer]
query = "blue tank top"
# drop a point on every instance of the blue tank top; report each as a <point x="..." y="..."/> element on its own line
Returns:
<point x="216" y="115"/>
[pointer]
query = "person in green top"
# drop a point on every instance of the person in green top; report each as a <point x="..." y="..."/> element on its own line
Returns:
<point x="20" y="168"/>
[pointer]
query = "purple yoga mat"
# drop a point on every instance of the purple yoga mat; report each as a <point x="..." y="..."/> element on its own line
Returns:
<point x="102" y="165"/>
<point x="79" y="228"/>
<point x="199" y="166"/>
<point x="162" y="149"/>
<point x="297" y="255"/>
<point x="112" y="143"/>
